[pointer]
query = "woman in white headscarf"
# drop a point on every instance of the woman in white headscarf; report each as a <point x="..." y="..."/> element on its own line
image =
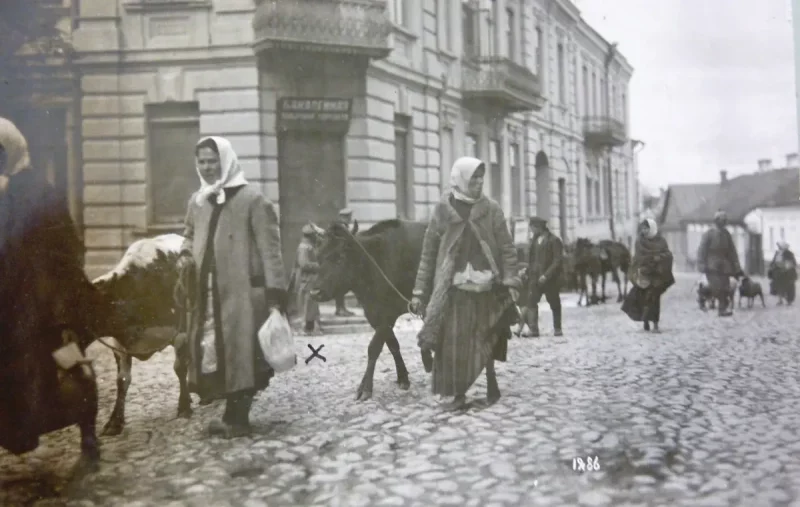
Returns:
<point x="467" y="282"/>
<point x="232" y="235"/>
<point x="651" y="274"/>
<point x="783" y="274"/>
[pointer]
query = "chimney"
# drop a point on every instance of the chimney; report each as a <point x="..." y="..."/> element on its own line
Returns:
<point x="764" y="164"/>
<point x="792" y="161"/>
<point x="723" y="176"/>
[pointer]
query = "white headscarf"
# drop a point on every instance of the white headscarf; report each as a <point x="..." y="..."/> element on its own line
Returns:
<point x="783" y="246"/>
<point x="652" y="228"/>
<point x="16" y="148"/>
<point x="232" y="175"/>
<point x="460" y="174"/>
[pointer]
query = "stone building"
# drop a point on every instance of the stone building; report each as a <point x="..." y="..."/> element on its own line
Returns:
<point x="358" y="103"/>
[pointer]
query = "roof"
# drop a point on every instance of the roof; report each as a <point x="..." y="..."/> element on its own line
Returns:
<point x="740" y="195"/>
<point x="682" y="199"/>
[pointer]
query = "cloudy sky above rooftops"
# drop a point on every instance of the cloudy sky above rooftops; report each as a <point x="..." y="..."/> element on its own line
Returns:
<point x="713" y="84"/>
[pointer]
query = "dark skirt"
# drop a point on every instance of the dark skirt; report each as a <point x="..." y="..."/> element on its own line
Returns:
<point x="642" y="304"/>
<point x="475" y="329"/>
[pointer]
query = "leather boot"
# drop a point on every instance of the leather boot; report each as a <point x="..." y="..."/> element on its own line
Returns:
<point x="557" y="322"/>
<point x="533" y="321"/>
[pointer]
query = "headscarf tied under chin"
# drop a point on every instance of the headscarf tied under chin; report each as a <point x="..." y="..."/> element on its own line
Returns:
<point x="460" y="175"/>
<point x="231" y="175"/>
<point x="652" y="228"/>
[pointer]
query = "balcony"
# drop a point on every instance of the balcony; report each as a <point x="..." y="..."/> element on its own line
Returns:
<point x="496" y="84"/>
<point x="603" y="132"/>
<point x="350" y="27"/>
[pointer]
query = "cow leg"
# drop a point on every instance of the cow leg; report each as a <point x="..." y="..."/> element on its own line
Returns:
<point x="364" y="391"/>
<point x="593" y="300"/>
<point x="761" y="295"/>
<point x="603" y="285"/>
<point x="116" y="422"/>
<point x="181" y="367"/>
<point x="400" y="365"/>
<point x="615" y="276"/>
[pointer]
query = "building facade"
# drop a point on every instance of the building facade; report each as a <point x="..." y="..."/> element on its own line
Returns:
<point x="351" y="103"/>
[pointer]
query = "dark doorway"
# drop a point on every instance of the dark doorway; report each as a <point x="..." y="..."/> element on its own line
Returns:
<point x="311" y="179"/>
<point x="755" y="255"/>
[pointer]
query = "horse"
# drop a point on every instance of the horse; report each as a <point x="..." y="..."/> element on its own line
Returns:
<point x="617" y="258"/>
<point x="379" y="266"/>
<point x="588" y="262"/>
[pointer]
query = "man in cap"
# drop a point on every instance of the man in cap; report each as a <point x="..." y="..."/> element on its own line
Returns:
<point x="545" y="259"/>
<point x="346" y="219"/>
<point x="718" y="260"/>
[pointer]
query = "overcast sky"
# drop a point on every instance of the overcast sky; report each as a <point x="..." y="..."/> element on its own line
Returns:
<point x="713" y="83"/>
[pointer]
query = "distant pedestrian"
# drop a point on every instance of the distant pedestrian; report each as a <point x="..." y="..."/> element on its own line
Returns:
<point x="783" y="274"/>
<point x="545" y="260"/>
<point x="233" y="236"/>
<point x="305" y="272"/>
<point x="651" y="275"/>
<point x="468" y="280"/>
<point x="718" y="260"/>
<point x="345" y="218"/>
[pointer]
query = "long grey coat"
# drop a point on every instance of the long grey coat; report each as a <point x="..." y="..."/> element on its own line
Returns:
<point x="437" y="264"/>
<point x="247" y="248"/>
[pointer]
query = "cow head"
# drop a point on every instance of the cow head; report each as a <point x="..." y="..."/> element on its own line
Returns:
<point x="337" y="256"/>
<point x="140" y="297"/>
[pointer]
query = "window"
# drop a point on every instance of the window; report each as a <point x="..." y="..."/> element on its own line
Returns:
<point x="511" y="35"/>
<point x="447" y="23"/>
<point x="496" y="169"/>
<point x="491" y="27"/>
<point x="771" y="236"/>
<point x="623" y="108"/>
<point x="446" y="156"/>
<point x="783" y="234"/>
<point x="469" y="23"/>
<point x="597" y="209"/>
<point x="595" y="96"/>
<point x="562" y="75"/>
<point x="586" y="111"/>
<point x="603" y="97"/>
<point x="517" y="184"/>
<point x="400" y="12"/>
<point x="172" y="131"/>
<point x="613" y="99"/>
<point x="589" y="191"/>
<point x="471" y="142"/>
<point x="404" y="183"/>
<point x="539" y="52"/>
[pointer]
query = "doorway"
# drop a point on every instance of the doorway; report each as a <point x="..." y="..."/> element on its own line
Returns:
<point x="312" y="183"/>
<point x="542" y="166"/>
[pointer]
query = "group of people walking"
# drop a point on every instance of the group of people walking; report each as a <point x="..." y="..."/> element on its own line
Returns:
<point x="468" y="284"/>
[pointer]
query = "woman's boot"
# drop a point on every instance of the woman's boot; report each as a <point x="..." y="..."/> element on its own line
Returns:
<point x="240" y="420"/>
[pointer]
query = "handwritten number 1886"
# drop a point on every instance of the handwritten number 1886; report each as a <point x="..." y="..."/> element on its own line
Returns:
<point x="590" y="465"/>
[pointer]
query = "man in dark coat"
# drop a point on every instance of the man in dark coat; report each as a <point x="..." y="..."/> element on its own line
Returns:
<point x="545" y="258"/>
<point x="346" y="219"/>
<point x="718" y="260"/>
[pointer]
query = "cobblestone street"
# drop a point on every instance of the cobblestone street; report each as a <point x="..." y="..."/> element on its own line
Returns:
<point x="705" y="413"/>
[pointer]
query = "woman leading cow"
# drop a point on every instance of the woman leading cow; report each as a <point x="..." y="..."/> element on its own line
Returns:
<point x="232" y="236"/>
<point x="467" y="278"/>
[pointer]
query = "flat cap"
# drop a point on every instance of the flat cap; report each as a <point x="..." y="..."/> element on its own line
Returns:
<point x="537" y="221"/>
<point x="346" y="212"/>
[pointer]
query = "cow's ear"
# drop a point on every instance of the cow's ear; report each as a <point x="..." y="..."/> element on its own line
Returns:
<point x="355" y="226"/>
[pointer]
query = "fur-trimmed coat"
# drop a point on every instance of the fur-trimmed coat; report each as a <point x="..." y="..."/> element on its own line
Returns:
<point x="250" y="275"/>
<point x="437" y="263"/>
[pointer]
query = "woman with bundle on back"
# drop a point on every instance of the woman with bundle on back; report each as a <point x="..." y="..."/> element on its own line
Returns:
<point x="651" y="275"/>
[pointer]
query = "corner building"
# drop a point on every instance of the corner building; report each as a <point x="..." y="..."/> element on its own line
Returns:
<point x="358" y="103"/>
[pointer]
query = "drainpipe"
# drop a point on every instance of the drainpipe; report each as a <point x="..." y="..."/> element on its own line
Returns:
<point x="612" y="49"/>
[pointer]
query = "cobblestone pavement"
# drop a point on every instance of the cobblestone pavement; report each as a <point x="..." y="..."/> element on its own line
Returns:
<point x="705" y="413"/>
